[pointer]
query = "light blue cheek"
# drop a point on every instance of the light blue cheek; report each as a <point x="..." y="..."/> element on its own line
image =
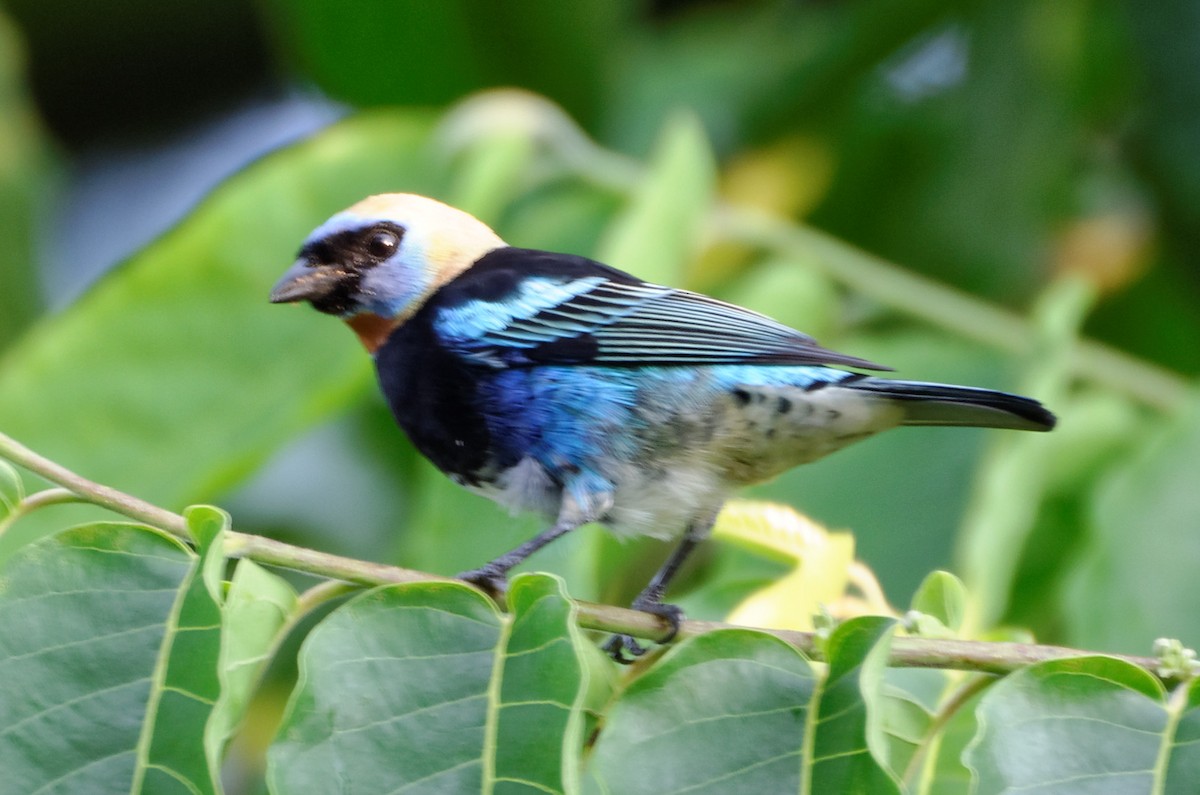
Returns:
<point x="392" y="288"/>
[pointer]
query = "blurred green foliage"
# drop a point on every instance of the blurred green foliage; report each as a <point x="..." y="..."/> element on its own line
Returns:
<point x="1028" y="153"/>
<point x="23" y="169"/>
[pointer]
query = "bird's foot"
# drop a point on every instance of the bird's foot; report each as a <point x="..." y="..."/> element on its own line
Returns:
<point x="489" y="578"/>
<point x="624" y="649"/>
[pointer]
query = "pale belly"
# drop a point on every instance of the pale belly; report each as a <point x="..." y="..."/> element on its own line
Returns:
<point x="668" y="454"/>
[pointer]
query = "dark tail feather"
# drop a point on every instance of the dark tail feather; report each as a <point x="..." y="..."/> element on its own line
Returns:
<point x="942" y="404"/>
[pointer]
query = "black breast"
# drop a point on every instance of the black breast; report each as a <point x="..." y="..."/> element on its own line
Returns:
<point x="432" y="394"/>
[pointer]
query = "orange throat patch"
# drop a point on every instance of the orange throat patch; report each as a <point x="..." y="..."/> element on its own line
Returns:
<point x="372" y="329"/>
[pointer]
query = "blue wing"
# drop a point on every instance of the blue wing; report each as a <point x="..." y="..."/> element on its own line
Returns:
<point x="555" y="309"/>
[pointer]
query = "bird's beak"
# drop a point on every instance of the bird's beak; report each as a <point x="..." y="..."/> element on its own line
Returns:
<point x="302" y="282"/>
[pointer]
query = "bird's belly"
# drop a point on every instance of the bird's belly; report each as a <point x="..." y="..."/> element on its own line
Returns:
<point x="659" y="502"/>
<point x="662" y="501"/>
<point x="664" y="445"/>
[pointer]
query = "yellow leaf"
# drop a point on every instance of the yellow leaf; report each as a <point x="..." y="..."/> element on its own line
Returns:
<point x="823" y="567"/>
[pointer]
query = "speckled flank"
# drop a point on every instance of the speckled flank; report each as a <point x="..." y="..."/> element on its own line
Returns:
<point x="752" y="431"/>
<point x="769" y="429"/>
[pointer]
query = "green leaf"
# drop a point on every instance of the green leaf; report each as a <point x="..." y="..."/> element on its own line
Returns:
<point x="566" y="215"/>
<point x="355" y="57"/>
<point x="1131" y="585"/>
<point x="849" y="749"/>
<point x="659" y="232"/>
<point x="491" y="141"/>
<point x="537" y="721"/>
<point x="1093" y="720"/>
<point x="926" y="724"/>
<point x="907" y="719"/>
<point x="945" y="773"/>
<point x="390" y="669"/>
<point x="490" y="173"/>
<point x="256" y="609"/>
<point x="740" y="711"/>
<point x="93" y="625"/>
<point x="942" y="597"/>
<point x="726" y="711"/>
<point x="186" y="686"/>
<point x="397" y="665"/>
<point x="178" y="349"/>
<point x="908" y="723"/>
<point x="1183" y="768"/>
<point x="12" y="490"/>
<point x="23" y="166"/>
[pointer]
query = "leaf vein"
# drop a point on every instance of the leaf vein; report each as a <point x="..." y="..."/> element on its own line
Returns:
<point x="442" y="772"/>
<point x="71" y="702"/>
<point x="81" y="642"/>
<point x="532" y="784"/>
<point x="536" y="702"/>
<point x="738" y="772"/>
<point x="410" y="713"/>
<point x="78" y="770"/>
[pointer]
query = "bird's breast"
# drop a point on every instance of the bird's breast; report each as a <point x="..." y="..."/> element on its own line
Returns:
<point x="434" y="398"/>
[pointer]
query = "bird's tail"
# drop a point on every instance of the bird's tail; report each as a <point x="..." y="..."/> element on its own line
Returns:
<point x="943" y="404"/>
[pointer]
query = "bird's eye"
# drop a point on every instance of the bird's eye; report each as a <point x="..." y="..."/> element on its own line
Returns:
<point x="382" y="244"/>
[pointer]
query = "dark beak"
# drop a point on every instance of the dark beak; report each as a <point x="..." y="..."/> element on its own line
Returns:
<point x="302" y="282"/>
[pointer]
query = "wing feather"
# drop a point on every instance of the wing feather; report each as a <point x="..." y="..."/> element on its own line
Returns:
<point x="600" y="316"/>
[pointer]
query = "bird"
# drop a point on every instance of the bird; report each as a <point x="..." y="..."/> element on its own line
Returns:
<point x="553" y="383"/>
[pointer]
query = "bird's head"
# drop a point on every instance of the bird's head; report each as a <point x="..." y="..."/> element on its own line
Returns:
<point x="376" y="263"/>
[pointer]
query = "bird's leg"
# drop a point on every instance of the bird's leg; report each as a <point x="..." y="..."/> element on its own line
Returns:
<point x="650" y="599"/>
<point x="493" y="575"/>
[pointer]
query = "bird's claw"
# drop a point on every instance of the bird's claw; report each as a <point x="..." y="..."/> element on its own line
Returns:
<point x="618" y="646"/>
<point x="672" y="614"/>
<point x="487" y="578"/>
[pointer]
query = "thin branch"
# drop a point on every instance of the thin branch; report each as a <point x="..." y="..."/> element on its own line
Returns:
<point x="947" y="709"/>
<point x="320" y="564"/>
<point x="33" y="502"/>
<point x="47" y="497"/>
<point x="104" y="496"/>
<point x="907" y="652"/>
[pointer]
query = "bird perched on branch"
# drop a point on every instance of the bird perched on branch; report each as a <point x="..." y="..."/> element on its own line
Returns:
<point x="554" y="383"/>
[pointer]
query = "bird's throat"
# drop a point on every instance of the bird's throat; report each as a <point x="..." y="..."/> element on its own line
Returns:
<point x="372" y="329"/>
